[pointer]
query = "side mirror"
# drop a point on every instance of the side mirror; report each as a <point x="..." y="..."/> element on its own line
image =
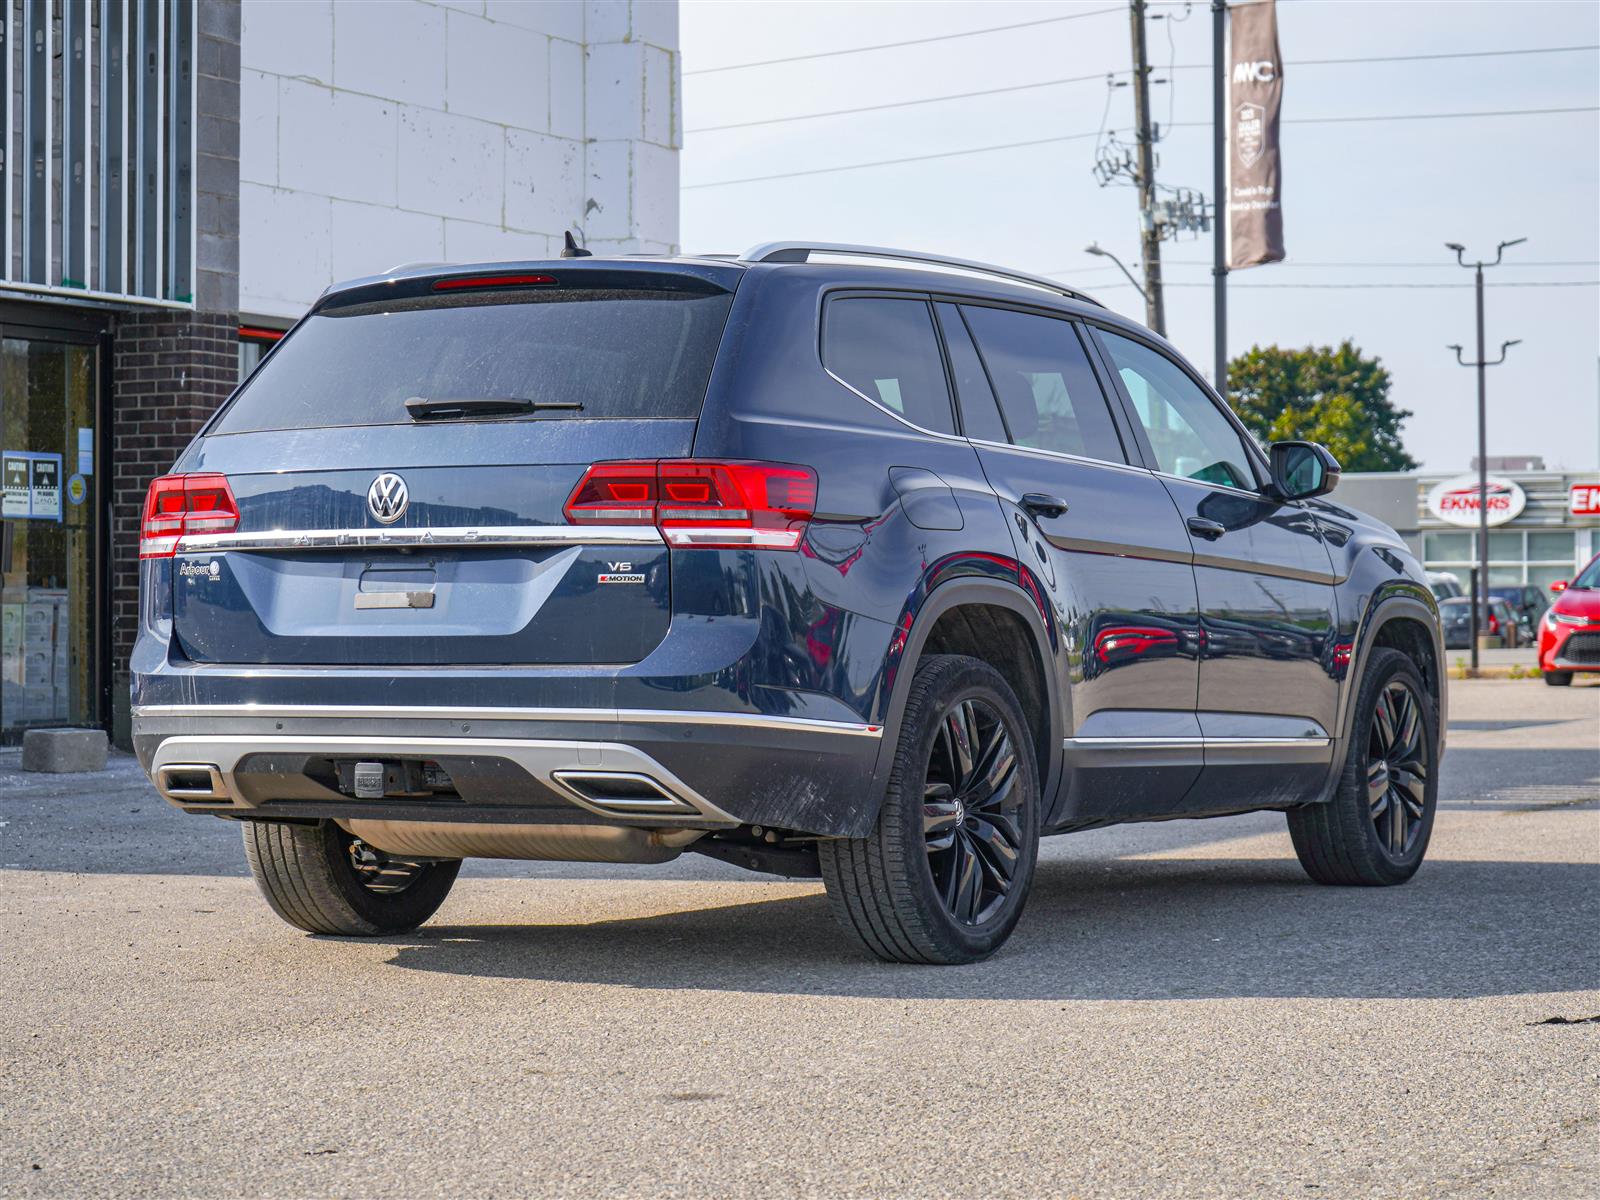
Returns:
<point x="1559" y="585"/>
<point x="1301" y="470"/>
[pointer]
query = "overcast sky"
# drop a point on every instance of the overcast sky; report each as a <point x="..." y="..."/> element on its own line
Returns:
<point x="1387" y="192"/>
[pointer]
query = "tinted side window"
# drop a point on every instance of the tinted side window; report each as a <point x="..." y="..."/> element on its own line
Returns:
<point x="980" y="415"/>
<point x="1190" y="436"/>
<point x="886" y="349"/>
<point x="1047" y="390"/>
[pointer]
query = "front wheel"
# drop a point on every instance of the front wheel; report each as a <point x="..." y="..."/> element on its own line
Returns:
<point x="324" y="880"/>
<point x="943" y="876"/>
<point x="1375" y="829"/>
<point x="1558" y="678"/>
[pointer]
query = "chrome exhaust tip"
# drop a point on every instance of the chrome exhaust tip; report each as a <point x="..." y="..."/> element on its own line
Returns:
<point x="622" y="793"/>
<point x="192" y="783"/>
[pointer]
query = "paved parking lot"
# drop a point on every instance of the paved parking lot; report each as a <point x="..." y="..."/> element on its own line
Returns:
<point x="1181" y="1013"/>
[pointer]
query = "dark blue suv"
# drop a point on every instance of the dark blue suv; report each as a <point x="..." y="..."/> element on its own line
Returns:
<point x="825" y="560"/>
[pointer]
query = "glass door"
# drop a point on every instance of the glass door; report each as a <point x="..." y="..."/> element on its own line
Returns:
<point x="53" y="467"/>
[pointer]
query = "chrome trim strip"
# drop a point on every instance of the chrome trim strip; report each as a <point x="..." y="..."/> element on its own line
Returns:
<point x="1176" y="743"/>
<point x="386" y="712"/>
<point x="488" y="535"/>
<point x="801" y="252"/>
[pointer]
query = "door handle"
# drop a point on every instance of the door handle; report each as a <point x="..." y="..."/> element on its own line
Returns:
<point x="1210" y="530"/>
<point x="1040" y="505"/>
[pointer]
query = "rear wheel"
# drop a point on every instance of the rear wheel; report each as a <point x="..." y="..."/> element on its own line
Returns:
<point x="944" y="875"/>
<point x="1375" y="829"/>
<point x="1558" y="678"/>
<point x="324" y="880"/>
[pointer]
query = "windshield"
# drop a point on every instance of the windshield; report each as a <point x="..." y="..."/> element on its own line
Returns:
<point x="1589" y="577"/>
<point x="573" y="353"/>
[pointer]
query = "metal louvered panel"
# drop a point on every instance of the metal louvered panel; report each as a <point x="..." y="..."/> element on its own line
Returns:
<point x="97" y="178"/>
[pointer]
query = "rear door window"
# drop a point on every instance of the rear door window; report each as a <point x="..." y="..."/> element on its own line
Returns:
<point x="595" y="353"/>
<point x="980" y="413"/>
<point x="885" y="348"/>
<point x="1047" y="390"/>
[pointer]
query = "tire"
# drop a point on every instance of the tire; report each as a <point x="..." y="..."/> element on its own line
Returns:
<point x="1558" y="678"/>
<point x="309" y="876"/>
<point x="929" y="883"/>
<point x="1351" y="839"/>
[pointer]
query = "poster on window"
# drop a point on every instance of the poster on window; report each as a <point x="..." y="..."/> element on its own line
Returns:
<point x="32" y="485"/>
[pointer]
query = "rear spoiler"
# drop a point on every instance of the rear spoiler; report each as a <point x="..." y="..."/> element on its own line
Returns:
<point x="442" y="280"/>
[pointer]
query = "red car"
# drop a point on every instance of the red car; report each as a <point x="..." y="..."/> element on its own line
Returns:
<point x="1569" y="631"/>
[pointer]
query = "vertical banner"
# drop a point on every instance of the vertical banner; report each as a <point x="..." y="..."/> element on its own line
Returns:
<point x="1255" y="181"/>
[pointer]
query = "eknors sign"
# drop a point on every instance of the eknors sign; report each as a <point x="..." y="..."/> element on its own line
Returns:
<point x="1456" y="500"/>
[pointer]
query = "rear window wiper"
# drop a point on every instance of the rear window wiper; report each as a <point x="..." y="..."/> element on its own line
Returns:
<point x="422" y="408"/>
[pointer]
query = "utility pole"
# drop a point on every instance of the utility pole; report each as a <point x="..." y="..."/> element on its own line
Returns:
<point x="1219" y="187"/>
<point x="1149" y="232"/>
<point x="1481" y="592"/>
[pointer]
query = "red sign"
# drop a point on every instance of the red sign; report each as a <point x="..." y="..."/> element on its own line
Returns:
<point x="1584" y="500"/>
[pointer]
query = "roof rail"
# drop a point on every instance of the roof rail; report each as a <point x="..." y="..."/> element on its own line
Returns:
<point x="799" y="252"/>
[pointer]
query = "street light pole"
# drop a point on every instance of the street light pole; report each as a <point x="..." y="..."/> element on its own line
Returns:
<point x="1481" y="364"/>
<point x="1096" y="248"/>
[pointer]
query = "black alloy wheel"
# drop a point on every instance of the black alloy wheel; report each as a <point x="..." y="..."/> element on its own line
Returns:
<point x="1397" y="768"/>
<point x="1373" y="828"/>
<point x="970" y="820"/>
<point x="944" y="873"/>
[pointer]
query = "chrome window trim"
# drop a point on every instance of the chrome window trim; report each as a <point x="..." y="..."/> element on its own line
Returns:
<point x="881" y="407"/>
<point x="1082" y="459"/>
<point x="1225" y="487"/>
<point x="387" y="712"/>
<point x="487" y="535"/>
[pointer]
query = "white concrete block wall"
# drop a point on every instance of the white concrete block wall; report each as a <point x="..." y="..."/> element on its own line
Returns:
<point x="375" y="132"/>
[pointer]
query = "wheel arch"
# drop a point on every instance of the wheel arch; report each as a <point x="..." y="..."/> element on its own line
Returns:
<point x="1400" y="620"/>
<point x="1000" y="624"/>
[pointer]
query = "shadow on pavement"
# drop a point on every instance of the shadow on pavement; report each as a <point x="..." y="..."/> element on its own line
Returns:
<point x="1106" y="930"/>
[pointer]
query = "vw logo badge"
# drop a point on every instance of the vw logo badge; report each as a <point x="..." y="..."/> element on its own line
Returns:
<point x="387" y="498"/>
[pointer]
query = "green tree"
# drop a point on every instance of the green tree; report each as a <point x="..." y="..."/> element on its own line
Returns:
<point x="1337" y="397"/>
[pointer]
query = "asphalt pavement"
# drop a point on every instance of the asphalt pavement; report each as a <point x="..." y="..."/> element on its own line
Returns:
<point x="1181" y="1013"/>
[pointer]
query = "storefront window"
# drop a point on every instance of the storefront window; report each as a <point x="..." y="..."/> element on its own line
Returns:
<point x="1505" y="545"/>
<point x="49" y="543"/>
<point x="1547" y="546"/>
<point x="1447" y="547"/>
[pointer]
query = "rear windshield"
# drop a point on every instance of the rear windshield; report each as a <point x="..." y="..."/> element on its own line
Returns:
<point x="617" y="353"/>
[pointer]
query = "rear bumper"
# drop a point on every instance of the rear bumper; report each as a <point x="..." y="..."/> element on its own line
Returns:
<point x="699" y="770"/>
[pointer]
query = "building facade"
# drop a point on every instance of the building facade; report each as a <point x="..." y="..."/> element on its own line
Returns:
<point x="1536" y="536"/>
<point x="181" y="178"/>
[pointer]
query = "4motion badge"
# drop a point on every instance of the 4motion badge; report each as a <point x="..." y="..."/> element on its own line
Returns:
<point x="620" y="572"/>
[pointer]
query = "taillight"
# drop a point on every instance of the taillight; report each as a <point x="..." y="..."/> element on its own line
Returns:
<point x="180" y="504"/>
<point x="701" y="502"/>
<point x="1494" y="623"/>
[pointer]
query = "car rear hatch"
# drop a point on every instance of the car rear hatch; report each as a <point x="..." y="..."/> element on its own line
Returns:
<point x="399" y="465"/>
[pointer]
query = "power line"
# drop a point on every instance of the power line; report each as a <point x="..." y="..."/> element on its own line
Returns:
<point x="1539" y="283"/>
<point x="1294" y="262"/>
<point x="889" y="162"/>
<point x="1073" y="137"/>
<point x="866" y="108"/>
<point x="1045" y="83"/>
<point x="942" y="37"/>
<point x="1448" y="116"/>
<point x="1388" y="58"/>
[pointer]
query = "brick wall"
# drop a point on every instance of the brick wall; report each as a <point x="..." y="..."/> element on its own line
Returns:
<point x="170" y="371"/>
